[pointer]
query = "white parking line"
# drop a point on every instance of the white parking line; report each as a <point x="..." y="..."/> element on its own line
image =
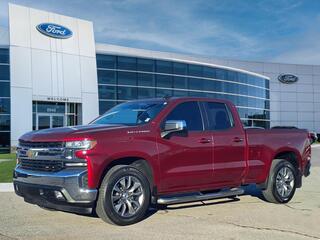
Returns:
<point x="6" y="187"/>
<point x="315" y="145"/>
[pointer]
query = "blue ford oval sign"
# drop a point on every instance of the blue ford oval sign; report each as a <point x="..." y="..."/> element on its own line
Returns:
<point x="54" y="30"/>
<point x="287" y="78"/>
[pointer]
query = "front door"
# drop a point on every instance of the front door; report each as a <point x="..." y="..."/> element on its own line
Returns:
<point x="50" y="121"/>
<point x="186" y="159"/>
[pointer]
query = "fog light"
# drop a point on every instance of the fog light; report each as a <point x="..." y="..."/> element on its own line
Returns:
<point x="84" y="180"/>
<point x="59" y="196"/>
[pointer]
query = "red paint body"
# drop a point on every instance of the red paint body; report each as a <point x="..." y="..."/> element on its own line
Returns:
<point x="185" y="164"/>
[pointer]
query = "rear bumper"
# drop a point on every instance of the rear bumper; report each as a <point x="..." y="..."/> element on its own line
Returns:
<point x="61" y="190"/>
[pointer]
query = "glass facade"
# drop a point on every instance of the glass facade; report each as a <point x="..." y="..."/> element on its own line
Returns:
<point x="126" y="78"/>
<point x="4" y="101"/>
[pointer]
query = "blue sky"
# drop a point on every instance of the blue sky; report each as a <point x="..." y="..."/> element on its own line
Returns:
<point x="262" y="30"/>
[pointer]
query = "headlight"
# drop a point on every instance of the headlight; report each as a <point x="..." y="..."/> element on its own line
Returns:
<point x="81" y="145"/>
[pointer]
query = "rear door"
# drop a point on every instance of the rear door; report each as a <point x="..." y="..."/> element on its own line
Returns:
<point x="228" y="144"/>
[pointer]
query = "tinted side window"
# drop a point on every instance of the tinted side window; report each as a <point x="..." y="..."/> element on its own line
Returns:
<point x="190" y="112"/>
<point x="218" y="116"/>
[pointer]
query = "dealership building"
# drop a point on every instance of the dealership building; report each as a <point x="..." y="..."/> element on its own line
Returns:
<point x="53" y="74"/>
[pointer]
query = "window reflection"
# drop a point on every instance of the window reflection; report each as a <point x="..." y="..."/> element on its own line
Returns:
<point x="148" y="78"/>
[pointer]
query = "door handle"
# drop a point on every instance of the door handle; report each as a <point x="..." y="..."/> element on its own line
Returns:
<point x="205" y="140"/>
<point x="237" y="139"/>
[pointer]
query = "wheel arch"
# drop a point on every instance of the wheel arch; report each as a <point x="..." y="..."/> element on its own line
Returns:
<point x="291" y="156"/>
<point x="141" y="164"/>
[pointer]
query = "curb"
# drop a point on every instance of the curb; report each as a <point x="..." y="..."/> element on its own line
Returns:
<point x="6" y="187"/>
<point x="5" y="160"/>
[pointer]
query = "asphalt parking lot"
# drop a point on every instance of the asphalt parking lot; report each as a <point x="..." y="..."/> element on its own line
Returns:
<point x="248" y="217"/>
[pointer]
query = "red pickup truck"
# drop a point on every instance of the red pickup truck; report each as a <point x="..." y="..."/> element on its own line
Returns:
<point x="157" y="151"/>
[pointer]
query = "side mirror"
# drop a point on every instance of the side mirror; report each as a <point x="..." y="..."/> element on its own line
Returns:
<point x="171" y="126"/>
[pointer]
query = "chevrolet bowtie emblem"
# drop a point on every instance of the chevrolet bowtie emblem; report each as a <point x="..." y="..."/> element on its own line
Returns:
<point x="32" y="154"/>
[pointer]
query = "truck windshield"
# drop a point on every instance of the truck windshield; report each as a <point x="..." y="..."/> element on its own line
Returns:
<point x="131" y="113"/>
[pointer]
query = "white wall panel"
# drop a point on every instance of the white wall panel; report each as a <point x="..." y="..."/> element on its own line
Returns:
<point x="305" y="116"/>
<point x="19" y="21"/>
<point x="305" y="107"/>
<point x="86" y="39"/>
<point x="89" y="74"/>
<point x="316" y="69"/>
<point x="316" y="88"/>
<point x="71" y="76"/>
<point x="306" y="125"/>
<point x="288" y="68"/>
<point x="60" y="67"/>
<point x="274" y="86"/>
<point x="289" y="116"/>
<point x="274" y="106"/>
<point x="275" y="116"/>
<point x="70" y="45"/>
<point x="41" y="72"/>
<point x="316" y="97"/>
<point x="20" y="67"/>
<point x="304" y="87"/>
<point x="54" y="74"/>
<point x="271" y="68"/>
<point x="288" y="106"/>
<point x="90" y="108"/>
<point x="289" y="123"/>
<point x="288" y="87"/>
<point x="305" y="97"/>
<point x="275" y="96"/>
<point x="38" y="40"/>
<point x="305" y="78"/>
<point x="21" y="112"/>
<point x="304" y="69"/>
<point x="288" y="96"/>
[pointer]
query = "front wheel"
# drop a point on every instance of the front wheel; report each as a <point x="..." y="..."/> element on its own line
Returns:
<point x="281" y="183"/>
<point x="124" y="196"/>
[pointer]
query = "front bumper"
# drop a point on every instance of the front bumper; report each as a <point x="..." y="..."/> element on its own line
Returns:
<point x="59" y="190"/>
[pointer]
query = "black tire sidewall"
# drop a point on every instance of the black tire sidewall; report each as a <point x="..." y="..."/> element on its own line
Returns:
<point x="277" y="168"/>
<point x="108" y="208"/>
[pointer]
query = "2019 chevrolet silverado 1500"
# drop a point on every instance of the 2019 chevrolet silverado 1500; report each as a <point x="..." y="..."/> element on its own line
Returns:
<point x="157" y="151"/>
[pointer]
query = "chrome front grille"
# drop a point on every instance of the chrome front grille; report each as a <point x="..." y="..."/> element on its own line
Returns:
<point x="41" y="156"/>
<point x="47" y="156"/>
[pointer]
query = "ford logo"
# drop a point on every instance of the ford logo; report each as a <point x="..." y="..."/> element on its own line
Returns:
<point x="54" y="30"/>
<point x="287" y="78"/>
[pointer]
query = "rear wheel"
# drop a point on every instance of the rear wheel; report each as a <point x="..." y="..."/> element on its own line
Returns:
<point x="124" y="196"/>
<point x="281" y="183"/>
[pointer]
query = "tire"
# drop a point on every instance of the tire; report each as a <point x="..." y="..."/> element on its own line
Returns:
<point x="286" y="174"/>
<point x="124" y="196"/>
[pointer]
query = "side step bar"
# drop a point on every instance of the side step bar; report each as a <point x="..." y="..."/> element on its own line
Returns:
<point x="199" y="196"/>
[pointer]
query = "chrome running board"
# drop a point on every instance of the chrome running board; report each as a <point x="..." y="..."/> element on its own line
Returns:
<point x="199" y="196"/>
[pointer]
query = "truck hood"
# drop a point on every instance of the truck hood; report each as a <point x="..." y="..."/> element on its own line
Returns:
<point x="59" y="134"/>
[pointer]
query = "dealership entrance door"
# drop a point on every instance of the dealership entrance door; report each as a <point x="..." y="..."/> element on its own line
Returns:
<point x="55" y="114"/>
<point x="50" y="121"/>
